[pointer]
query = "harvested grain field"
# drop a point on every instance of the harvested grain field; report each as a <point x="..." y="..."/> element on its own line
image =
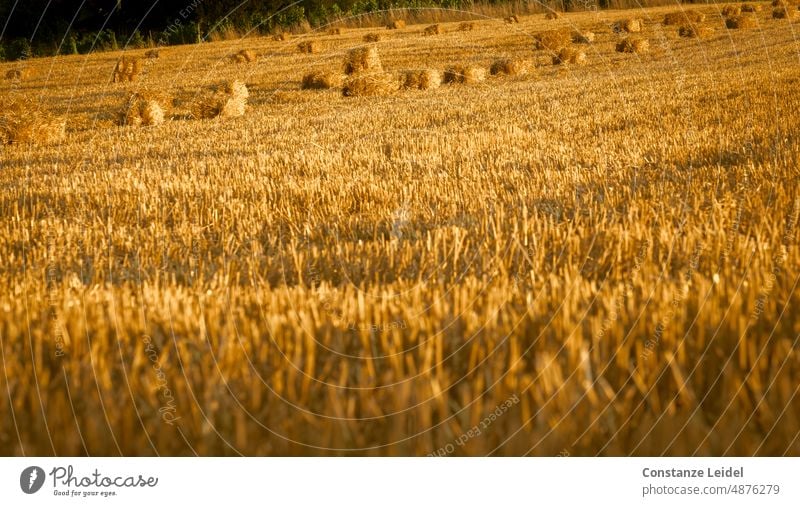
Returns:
<point x="605" y="254"/>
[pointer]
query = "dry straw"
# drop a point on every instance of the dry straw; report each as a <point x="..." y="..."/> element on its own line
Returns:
<point x="784" y="13"/>
<point x="683" y="17"/>
<point x="460" y="74"/>
<point x="370" y="84"/>
<point x="226" y="100"/>
<point x="627" y="25"/>
<point x="127" y="68"/>
<point x="362" y="59"/>
<point x="421" y="79"/>
<point x="245" y="56"/>
<point x="433" y="30"/>
<point x="23" y="122"/>
<point x="730" y="11"/>
<point x="694" y="31"/>
<point x="335" y="31"/>
<point x="142" y="109"/>
<point x="396" y="24"/>
<point x="552" y="15"/>
<point x="308" y="47"/>
<point x="466" y="26"/>
<point x="511" y="19"/>
<point x="751" y="7"/>
<point x="570" y="55"/>
<point x="321" y="81"/>
<point x="152" y="54"/>
<point x="631" y="45"/>
<point x="510" y="67"/>
<point x="281" y="37"/>
<point x="553" y="40"/>
<point x="372" y="37"/>
<point x="741" y="22"/>
<point x="579" y="37"/>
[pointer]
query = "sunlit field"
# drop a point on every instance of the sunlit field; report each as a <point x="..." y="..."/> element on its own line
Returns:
<point x="569" y="259"/>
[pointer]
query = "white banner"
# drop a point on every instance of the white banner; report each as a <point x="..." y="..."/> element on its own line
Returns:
<point x="400" y="481"/>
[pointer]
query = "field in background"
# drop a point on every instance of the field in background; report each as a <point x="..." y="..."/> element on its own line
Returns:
<point x="596" y="259"/>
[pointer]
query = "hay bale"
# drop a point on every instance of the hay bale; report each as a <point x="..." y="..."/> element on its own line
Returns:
<point x="511" y="19"/>
<point x="370" y="84"/>
<point x="683" y="18"/>
<point x="281" y="37"/>
<point x="433" y="30"/>
<point x="582" y="37"/>
<point x="510" y="67"/>
<point x="552" y="15"/>
<point x="152" y="54"/>
<point x="396" y="24"/>
<point x="308" y="47"/>
<point x="631" y="45"/>
<point x="629" y="25"/>
<point x="570" y="55"/>
<point x="24" y="122"/>
<point x="321" y="81"/>
<point x="463" y="75"/>
<point x="17" y="74"/>
<point x="335" y="31"/>
<point x="694" y="31"/>
<point x="421" y="79"/>
<point x="372" y="37"/>
<point x="553" y="40"/>
<point x="466" y="26"/>
<point x="751" y="7"/>
<point x="784" y="13"/>
<point x="730" y="11"/>
<point x="741" y="22"/>
<point x="362" y="59"/>
<point x="142" y="109"/>
<point x="226" y="101"/>
<point x="127" y="68"/>
<point x="245" y="56"/>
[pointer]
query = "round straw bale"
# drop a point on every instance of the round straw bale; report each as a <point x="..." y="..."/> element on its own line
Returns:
<point x="751" y="7"/>
<point x="370" y="84"/>
<point x="321" y="81"/>
<point x="694" y="31"/>
<point x="553" y="40"/>
<point x="741" y="22"/>
<point x="127" y="68"/>
<point x="683" y="17"/>
<point x="463" y="74"/>
<point x="372" y="37"/>
<point x="510" y="67"/>
<point x="629" y="25"/>
<point x="24" y="122"/>
<point x="730" y="11"/>
<point x="631" y="45"/>
<point x="466" y="26"/>
<point x="433" y="30"/>
<point x="421" y="79"/>
<point x="570" y="55"/>
<point x="362" y="59"/>
<point x="784" y="13"/>
<point x="308" y="47"/>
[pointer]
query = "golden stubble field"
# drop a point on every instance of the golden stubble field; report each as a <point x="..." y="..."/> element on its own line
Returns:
<point x="597" y="259"/>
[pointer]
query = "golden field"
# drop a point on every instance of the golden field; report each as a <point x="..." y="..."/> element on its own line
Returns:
<point x="595" y="259"/>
